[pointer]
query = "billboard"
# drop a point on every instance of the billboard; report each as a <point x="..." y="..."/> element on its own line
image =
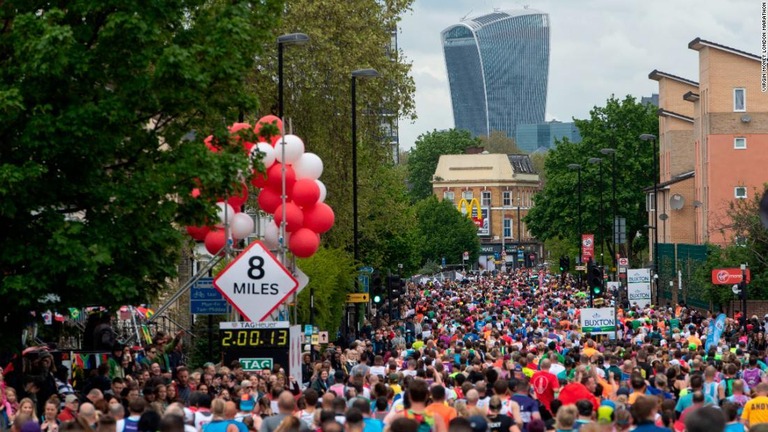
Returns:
<point x="598" y="320"/>
<point x="480" y="215"/>
<point x="639" y="287"/>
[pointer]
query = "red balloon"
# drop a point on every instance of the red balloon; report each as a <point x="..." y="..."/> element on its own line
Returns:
<point x="274" y="178"/>
<point x="268" y="119"/>
<point x="269" y="200"/>
<point x="238" y="127"/>
<point x="215" y="241"/>
<point x="239" y="198"/>
<point x="198" y="232"/>
<point x="303" y="243"/>
<point x="259" y="179"/>
<point x="195" y="192"/>
<point x="305" y="192"/>
<point x="294" y="217"/>
<point x="319" y="217"/>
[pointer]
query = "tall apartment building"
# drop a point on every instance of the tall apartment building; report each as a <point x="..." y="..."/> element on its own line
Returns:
<point x="713" y="141"/>
<point x="498" y="67"/>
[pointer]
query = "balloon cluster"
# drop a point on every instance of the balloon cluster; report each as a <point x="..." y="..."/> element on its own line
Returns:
<point x="306" y="214"/>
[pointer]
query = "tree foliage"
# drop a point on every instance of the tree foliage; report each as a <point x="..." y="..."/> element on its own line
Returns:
<point x="423" y="158"/>
<point x="344" y="36"/>
<point x="95" y="176"/>
<point x="749" y="247"/>
<point x="446" y="233"/>
<point x="617" y="125"/>
<point x="499" y="142"/>
<point x="331" y="274"/>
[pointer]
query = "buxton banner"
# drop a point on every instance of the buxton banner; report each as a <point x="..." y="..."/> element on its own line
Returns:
<point x="639" y="287"/>
<point x="598" y="320"/>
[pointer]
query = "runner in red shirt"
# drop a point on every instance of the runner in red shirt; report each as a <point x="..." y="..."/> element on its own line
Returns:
<point x="544" y="384"/>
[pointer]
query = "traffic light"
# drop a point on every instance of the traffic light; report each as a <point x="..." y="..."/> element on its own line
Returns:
<point x="595" y="280"/>
<point x="562" y="264"/>
<point x="377" y="289"/>
<point x="565" y="264"/>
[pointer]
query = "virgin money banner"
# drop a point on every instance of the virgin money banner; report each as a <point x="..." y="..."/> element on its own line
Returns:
<point x="587" y="247"/>
<point x="598" y="321"/>
<point x="639" y="286"/>
<point x="728" y="276"/>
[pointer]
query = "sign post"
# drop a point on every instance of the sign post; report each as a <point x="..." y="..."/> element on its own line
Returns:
<point x="639" y="287"/>
<point x="256" y="283"/>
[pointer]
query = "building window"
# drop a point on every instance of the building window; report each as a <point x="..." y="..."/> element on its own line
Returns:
<point x="650" y="203"/>
<point x="740" y="143"/>
<point x="739" y="99"/>
<point x="467" y="195"/>
<point x="507" y="228"/>
<point x="740" y="192"/>
<point x="486" y="199"/>
<point x="506" y="199"/>
<point x="449" y="196"/>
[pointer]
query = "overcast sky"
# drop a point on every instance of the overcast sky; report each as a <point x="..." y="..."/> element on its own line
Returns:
<point x="597" y="48"/>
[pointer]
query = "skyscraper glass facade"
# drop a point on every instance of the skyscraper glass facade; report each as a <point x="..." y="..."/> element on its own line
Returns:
<point x="498" y="67"/>
<point x="532" y="137"/>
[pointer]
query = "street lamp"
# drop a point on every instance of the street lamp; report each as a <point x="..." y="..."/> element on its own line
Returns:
<point x="598" y="161"/>
<point x="656" y="175"/>
<point x="359" y="73"/>
<point x="519" y="238"/>
<point x="577" y="167"/>
<point x="615" y="235"/>
<point x="286" y="39"/>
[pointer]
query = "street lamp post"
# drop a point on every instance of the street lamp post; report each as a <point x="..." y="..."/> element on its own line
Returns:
<point x="519" y="238"/>
<point x="359" y="73"/>
<point x="615" y="235"/>
<point x="656" y="174"/>
<point x="577" y="167"/>
<point x="286" y="39"/>
<point x="600" y="224"/>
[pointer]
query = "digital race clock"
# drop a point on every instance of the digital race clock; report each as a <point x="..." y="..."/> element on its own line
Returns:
<point x="255" y="338"/>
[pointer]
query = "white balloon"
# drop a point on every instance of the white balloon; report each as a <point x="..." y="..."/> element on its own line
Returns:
<point x="271" y="235"/>
<point x="294" y="148"/>
<point x="323" y="191"/>
<point x="225" y="210"/>
<point x="242" y="226"/>
<point x="309" y="166"/>
<point x="268" y="157"/>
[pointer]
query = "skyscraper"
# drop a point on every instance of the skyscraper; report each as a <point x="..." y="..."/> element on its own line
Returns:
<point x="498" y="66"/>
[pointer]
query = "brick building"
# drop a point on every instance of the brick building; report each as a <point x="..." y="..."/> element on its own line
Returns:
<point x="713" y="136"/>
<point x="504" y="186"/>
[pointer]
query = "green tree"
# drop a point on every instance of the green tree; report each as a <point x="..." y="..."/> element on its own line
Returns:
<point x="95" y="173"/>
<point x="538" y="159"/>
<point x="445" y="232"/>
<point x="750" y="246"/>
<point x="332" y="275"/>
<point x="388" y="228"/>
<point x="426" y="152"/>
<point x="617" y="125"/>
<point x="499" y="142"/>
<point x="344" y="36"/>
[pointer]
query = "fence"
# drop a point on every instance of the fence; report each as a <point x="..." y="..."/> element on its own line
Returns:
<point x="678" y="264"/>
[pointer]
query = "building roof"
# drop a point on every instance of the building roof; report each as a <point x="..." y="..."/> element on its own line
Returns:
<point x="498" y="15"/>
<point x="699" y="43"/>
<point x="691" y="96"/>
<point x="482" y="167"/>
<point x="661" y="112"/>
<point x="657" y="75"/>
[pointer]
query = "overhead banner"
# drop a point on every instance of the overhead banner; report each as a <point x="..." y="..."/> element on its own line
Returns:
<point x="598" y="320"/>
<point x="587" y="247"/>
<point x="639" y="287"/>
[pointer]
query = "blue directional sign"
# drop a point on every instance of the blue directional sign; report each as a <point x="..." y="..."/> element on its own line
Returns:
<point x="204" y="299"/>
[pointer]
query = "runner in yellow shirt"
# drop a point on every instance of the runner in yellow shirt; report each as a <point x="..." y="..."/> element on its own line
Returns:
<point x="756" y="409"/>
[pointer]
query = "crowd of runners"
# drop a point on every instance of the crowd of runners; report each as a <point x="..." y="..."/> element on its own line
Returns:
<point x="501" y="353"/>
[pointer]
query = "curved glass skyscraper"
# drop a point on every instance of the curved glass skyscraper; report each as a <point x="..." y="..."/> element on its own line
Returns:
<point x="498" y="66"/>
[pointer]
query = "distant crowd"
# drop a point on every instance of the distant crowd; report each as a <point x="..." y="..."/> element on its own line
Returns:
<point x="501" y="353"/>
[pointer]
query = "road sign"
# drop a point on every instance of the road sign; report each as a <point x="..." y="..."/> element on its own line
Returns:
<point x="205" y="300"/>
<point x="302" y="278"/>
<point x="581" y="268"/>
<point x="357" y="298"/>
<point x="255" y="283"/>
<point x="624" y="262"/>
<point x="465" y="257"/>
<point x="323" y="336"/>
<point x="728" y="276"/>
